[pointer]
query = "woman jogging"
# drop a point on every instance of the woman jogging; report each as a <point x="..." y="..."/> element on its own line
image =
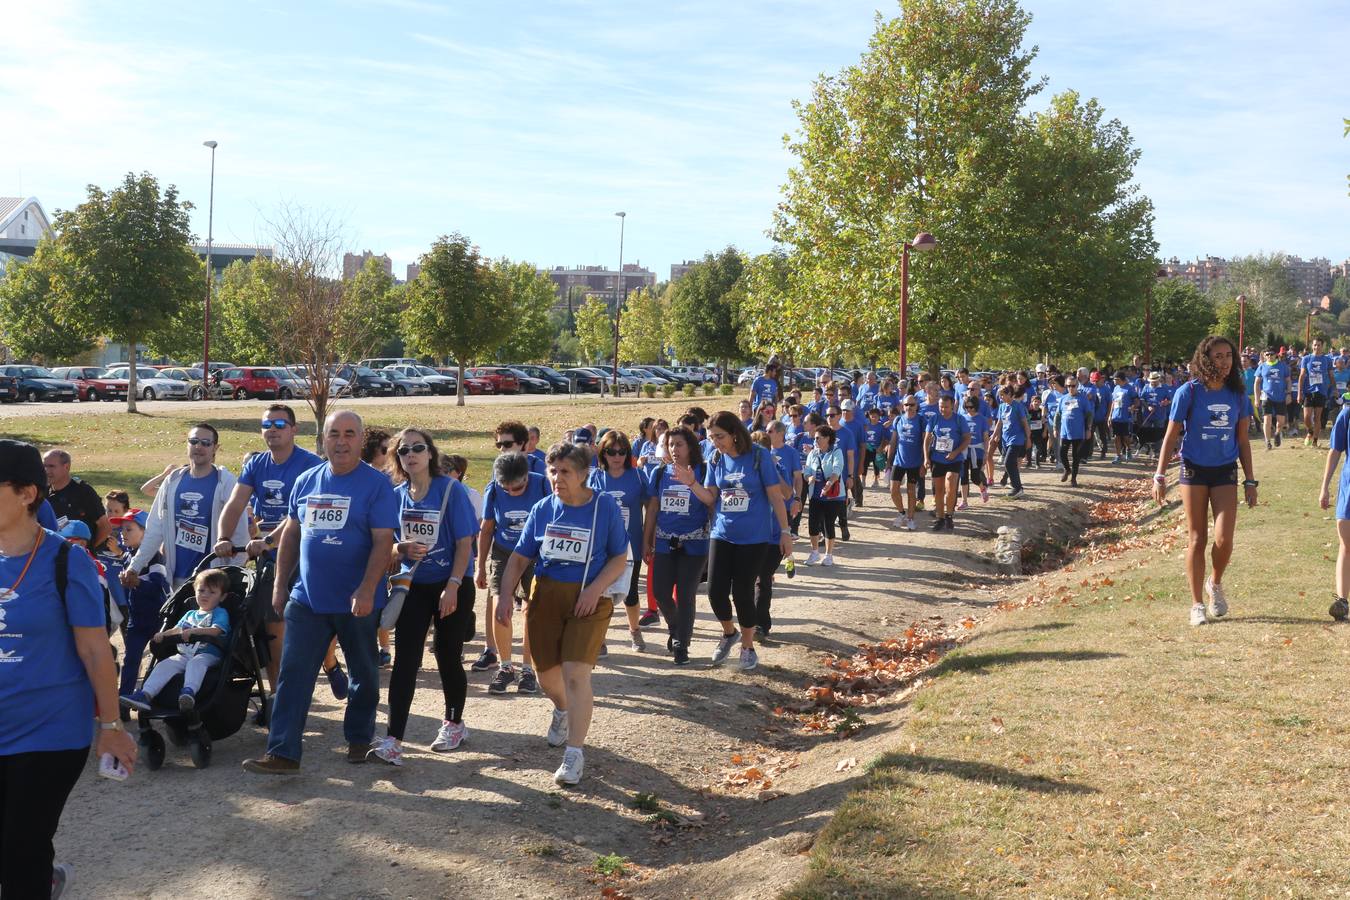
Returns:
<point x="1209" y="419"/>
<point x="438" y="528"/>
<point x="675" y="539"/>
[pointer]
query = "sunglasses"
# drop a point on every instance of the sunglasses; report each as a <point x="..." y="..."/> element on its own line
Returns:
<point x="200" y="442"/>
<point x="502" y="445"/>
<point x="414" y="448"/>
<point x="615" y="451"/>
<point x="275" y="423"/>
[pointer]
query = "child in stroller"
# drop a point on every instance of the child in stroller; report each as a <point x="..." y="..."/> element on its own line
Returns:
<point x="195" y="655"/>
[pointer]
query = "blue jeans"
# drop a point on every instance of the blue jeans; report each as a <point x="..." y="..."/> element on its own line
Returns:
<point x="306" y="643"/>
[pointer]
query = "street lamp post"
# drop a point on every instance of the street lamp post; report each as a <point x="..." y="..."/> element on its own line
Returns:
<point x="1242" y="323"/>
<point x="922" y="241"/>
<point x="210" y="277"/>
<point x="619" y="297"/>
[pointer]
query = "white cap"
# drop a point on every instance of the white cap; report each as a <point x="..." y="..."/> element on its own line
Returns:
<point x="1042" y="367"/>
<point x="847" y="404"/>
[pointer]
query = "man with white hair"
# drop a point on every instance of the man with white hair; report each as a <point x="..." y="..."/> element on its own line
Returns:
<point x="340" y="529"/>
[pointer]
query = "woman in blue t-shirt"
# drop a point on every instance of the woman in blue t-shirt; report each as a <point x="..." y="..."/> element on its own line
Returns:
<point x="577" y="540"/>
<point x="57" y="679"/>
<point x="1073" y="425"/>
<point x="742" y="476"/>
<point x="436" y="534"/>
<point x="1209" y="419"/>
<point x="1340" y="443"/>
<point x="617" y="476"/>
<point x="675" y="536"/>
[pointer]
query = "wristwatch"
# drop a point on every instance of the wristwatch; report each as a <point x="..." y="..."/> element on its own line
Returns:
<point x="1250" y="483"/>
<point x="114" y="725"/>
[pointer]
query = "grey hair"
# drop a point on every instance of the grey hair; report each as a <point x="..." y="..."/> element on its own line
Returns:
<point x="510" y="468"/>
<point x="337" y="414"/>
<point x="578" y="456"/>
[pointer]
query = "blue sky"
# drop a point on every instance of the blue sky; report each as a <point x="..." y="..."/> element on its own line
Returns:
<point x="526" y="125"/>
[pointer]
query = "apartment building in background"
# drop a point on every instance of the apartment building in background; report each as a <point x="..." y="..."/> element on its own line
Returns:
<point x="353" y="263"/>
<point x="677" y="270"/>
<point x="585" y="282"/>
<point x="1310" y="278"/>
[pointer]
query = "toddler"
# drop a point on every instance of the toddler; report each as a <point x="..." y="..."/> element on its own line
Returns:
<point x="193" y="658"/>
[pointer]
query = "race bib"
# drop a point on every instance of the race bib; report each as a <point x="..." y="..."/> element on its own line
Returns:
<point x="566" y="543"/>
<point x="735" y="500"/>
<point x="421" y="526"/>
<point x="675" y="500"/>
<point x="1315" y="379"/>
<point x="943" y="444"/>
<point x="191" y="536"/>
<point x="326" y="512"/>
<point x="1036" y="424"/>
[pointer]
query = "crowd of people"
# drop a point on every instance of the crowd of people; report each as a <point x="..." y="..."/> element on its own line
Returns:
<point x="382" y="537"/>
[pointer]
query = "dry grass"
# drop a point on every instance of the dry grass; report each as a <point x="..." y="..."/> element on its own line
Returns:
<point x="1101" y="746"/>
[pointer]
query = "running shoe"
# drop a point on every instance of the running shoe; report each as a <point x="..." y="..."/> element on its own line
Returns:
<point x="937" y="524"/>
<point x="386" y="659"/>
<point x="962" y="506"/>
<point x="1014" y="494"/>
<point x="1198" y="614"/>
<point x="187" y="700"/>
<point x="723" y="649"/>
<point x="636" y="642"/>
<point x="1277" y="439"/>
<point x="386" y="751"/>
<point x="486" y="660"/>
<point x="136" y="700"/>
<point x="62" y="875"/>
<point x="984" y="492"/>
<point x="827" y="560"/>
<point x="919" y="505"/>
<point x="950" y="525"/>
<point x="812" y="559"/>
<point x="1064" y="476"/>
<point x="528" y="683"/>
<point x="504" y="678"/>
<point x="573" y="764"/>
<point x="451" y="735"/>
<point x="557" y="729"/>
<point x="749" y="659"/>
<point x="1218" y="602"/>
<point x="790" y="568"/>
<point x="681" y="654"/>
<point x="1117" y="460"/>
<point x="338" y="682"/>
<point x="1340" y="610"/>
<point x="911" y="524"/>
<point x="898" y="522"/>
<point x="650" y="617"/>
<point x="1269" y="446"/>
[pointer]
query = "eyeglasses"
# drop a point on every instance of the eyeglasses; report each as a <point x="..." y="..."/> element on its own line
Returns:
<point x="200" y="442"/>
<point x="911" y="406"/>
<point x="275" y="423"/>
<point x="414" y="448"/>
<point x="615" y="451"/>
<point x="502" y="445"/>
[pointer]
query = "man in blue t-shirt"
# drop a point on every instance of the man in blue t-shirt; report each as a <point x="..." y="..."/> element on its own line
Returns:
<point x="1124" y="404"/>
<point x="854" y="423"/>
<point x="765" y="388"/>
<point x="340" y="528"/>
<point x="1314" y="391"/>
<point x="1270" y="394"/>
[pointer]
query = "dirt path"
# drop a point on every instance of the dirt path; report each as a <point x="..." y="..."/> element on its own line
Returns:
<point x="488" y="822"/>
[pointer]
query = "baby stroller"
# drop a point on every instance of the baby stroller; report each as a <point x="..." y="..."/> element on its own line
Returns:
<point x="223" y="701"/>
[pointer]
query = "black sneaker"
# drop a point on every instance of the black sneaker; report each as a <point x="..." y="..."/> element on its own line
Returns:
<point x="937" y="523"/>
<point x="650" y="617"/>
<point x="486" y="660"/>
<point x="528" y="683"/>
<point x="504" y="678"/>
<point x="670" y="644"/>
<point x="1277" y="439"/>
<point x="1340" y="610"/>
<point x="951" y="526"/>
<point x="681" y="654"/>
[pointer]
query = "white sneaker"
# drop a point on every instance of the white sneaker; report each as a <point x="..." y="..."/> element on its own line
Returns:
<point x="387" y="750"/>
<point x="573" y="764"/>
<point x="827" y="560"/>
<point x="898" y="522"/>
<point x="451" y="735"/>
<point x="749" y="659"/>
<point x="557" y="729"/>
<point x="812" y="559"/>
<point x="1198" y="614"/>
<point x="910" y="524"/>
<point x="723" y="648"/>
<point x="1218" y="603"/>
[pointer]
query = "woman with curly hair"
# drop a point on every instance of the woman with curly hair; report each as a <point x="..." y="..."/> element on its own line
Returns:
<point x="1209" y="419"/>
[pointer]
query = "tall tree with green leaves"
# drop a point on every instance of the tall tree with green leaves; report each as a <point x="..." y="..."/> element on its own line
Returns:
<point x="642" y="328"/>
<point x="370" y="312"/>
<point x="1182" y="317"/>
<point x="1230" y="320"/>
<point x="457" y="306"/>
<point x="33" y="321"/>
<point x="245" y="304"/>
<point x="530" y="296"/>
<point x="1264" y="278"/>
<point x="703" y="307"/>
<point x="129" y="261"/>
<point x="595" y="330"/>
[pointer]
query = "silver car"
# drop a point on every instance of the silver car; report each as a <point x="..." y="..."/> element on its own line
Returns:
<point x="150" y="384"/>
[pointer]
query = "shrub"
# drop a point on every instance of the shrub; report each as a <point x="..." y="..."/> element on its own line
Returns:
<point x="726" y="390"/>
<point x="689" y="390"/>
<point x="649" y="390"/>
<point x="667" y="390"/>
<point x="709" y="389"/>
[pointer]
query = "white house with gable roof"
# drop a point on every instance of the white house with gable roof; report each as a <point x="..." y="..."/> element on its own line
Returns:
<point x="23" y="222"/>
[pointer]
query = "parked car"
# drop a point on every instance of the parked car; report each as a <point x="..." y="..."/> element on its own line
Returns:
<point x="404" y="386"/>
<point x="36" y="383"/>
<point x="471" y="385"/>
<point x="644" y="375"/>
<point x="9" y="389"/>
<point x="150" y="384"/>
<point x="215" y="364"/>
<point x="503" y="380"/>
<point x="529" y="384"/>
<point x="385" y="362"/>
<point x="90" y="384"/>
<point x="251" y="382"/>
<point x="556" y="379"/>
<point x="697" y="374"/>
<point x="675" y="377"/>
<point x="364" y="381"/>
<point x="220" y="390"/>
<point x="337" y="387"/>
<point x="435" y="382"/>
<point x="587" y="381"/>
<point x="626" y="382"/>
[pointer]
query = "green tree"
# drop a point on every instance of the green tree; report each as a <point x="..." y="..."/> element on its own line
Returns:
<point x="456" y="308"/>
<point x="130" y="264"/>
<point x="767" y="304"/>
<point x="34" y="323"/>
<point x="703" y="317"/>
<point x="595" y="330"/>
<point x="369" y="316"/>
<point x="245" y="301"/>
<point x="1264" y="278"/>
<point x="565" y="347"/>
<point x="1228" y="318"/>
<point x="531" y="296"/>
<point x="642" y="328"/>
<point x="1182" y="317"/>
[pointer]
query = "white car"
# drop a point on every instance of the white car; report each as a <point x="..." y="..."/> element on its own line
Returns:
<point x="433" y="381"/>
<point x="150" y="384"/>
<point x="337" y="387"/>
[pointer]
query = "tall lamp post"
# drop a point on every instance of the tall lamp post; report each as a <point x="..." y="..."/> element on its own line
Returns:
<point x="922" y="241"/>
<point x="1242" y="324"/>
<point x="619" y="297"/>
<point x="210" y="277"/>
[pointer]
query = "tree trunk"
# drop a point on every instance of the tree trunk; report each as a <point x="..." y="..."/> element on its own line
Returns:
<point x="459" y="399"/>
<point x="132" y="390"/>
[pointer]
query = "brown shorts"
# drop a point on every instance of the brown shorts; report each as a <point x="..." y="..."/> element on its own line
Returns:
<point x="556" y="634"/>
<point x="497" y="558"/>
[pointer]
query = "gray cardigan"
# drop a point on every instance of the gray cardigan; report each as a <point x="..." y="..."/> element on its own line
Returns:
<point x="159" y="524"/>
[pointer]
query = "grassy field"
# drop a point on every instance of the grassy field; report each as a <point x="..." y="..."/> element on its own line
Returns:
<point x="1097" y="745"/>
<point x="122" y="451"/>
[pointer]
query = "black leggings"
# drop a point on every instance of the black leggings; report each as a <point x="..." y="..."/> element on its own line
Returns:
<point x="764" y="587"/>
<point x="632" y="598"/>
<point x="1039" y="440"/>
<point x="675" y="578"/>
<point x="823" y="515"/>
<point x="420" y="610"/>
<point x="33" y="792"/>
<point x="732" y="570"/>
<point x="1068" y="447"/>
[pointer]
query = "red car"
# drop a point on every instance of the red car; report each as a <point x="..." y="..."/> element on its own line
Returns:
<point x="471" y="385"/>
<point x="250" y="382"/>
<point x="91" y="385"/>
<point x="503" y="381"/>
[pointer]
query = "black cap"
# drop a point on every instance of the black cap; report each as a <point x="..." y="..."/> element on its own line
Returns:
<point x="20" y="463"/>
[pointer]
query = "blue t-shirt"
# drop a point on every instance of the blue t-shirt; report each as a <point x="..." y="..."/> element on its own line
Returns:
<point x="560" y="537"/>
<point x="1318" y="371"/>
<point x="509" y="513"/>
<point x="336" y="515"/>
<point x="1249" y="378"/>
<point x="1101" y="402"/>
<point x="192" y="504"/>
<point x="790" y="459"/>
<point x="629" y="490"/>
<point x="948" y="433"/>
<point x="46" y="516"/>
<point x="929" y="412"/>
<point x="1013" y="418"/>
<point x="909" y="437"/>
<point x="847" y="441"/>
<point x="1340" y="440"/>
<point x="272" y="482"/>
<point x="1274" y="381"/>
<point x="1342" y="379"/>
<point x="1075" y="416"/>
<point x="46" y="701"/>
<point x="1122" y="398"/>
<point x="421" y="521"/>
<point x="1155" y="413"/>
<point x="201" y="618"/>
<point x="743" y="507"/>
<point x="1211" y="419"/>
<point x="979" y="427"/>
<point x="885" y="402"/>
<point x="763" y="390"/>
<point x="856" y="429"/>
<point x="540" y="455"/>
<point x="1050" y="403"/>
<point x="679" y="513"/>
<point x="875" y="434"/>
